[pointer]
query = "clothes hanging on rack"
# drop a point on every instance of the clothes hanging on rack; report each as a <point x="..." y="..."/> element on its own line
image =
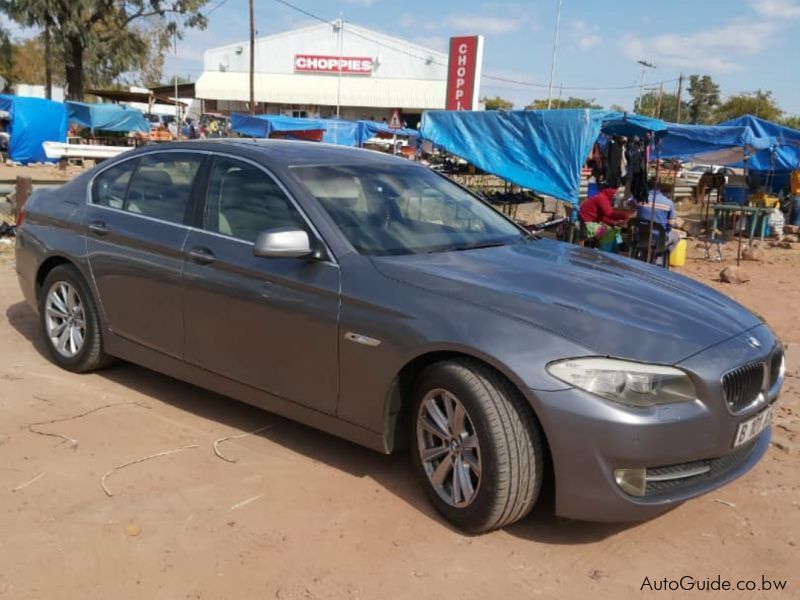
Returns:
<point x="597" y="164"/>
<point x="614" y="153"/>
<point x="637" y="157"/>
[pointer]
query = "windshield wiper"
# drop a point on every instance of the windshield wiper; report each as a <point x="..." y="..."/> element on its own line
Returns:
<point x="478" y="245"/>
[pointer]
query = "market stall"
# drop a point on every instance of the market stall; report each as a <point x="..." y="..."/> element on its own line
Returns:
<point x="712" y="144"/>
<point x="107" y="117"/>
<point x="32" y="121"/>
<point x="276" y="126"/>
<point x="535" y="149"/>
<point x="772" y="165"/>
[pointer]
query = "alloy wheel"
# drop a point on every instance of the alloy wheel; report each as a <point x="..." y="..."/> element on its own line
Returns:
<point x="65" y="319"/>
<point x="449" y="448"/>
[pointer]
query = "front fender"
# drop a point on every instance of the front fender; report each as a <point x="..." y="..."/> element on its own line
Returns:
<point x="410" y="324"/>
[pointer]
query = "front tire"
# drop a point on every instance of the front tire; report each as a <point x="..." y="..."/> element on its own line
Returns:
<point x="69" y="320"/>
<point x="477" y="447"/>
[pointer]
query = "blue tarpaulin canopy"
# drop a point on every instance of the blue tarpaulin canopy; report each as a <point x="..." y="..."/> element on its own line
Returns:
<point x="264" y="125"/>
<point x="630" y="125"/>
<point x="714" y="144"/>
<point x="542" y="150"/>
<point x="784" y="156"/>
<point x="341" y="133"/>
<point x="371" y="129"/>
<point x="33" y="121"/>
<point x="107" y="117"/>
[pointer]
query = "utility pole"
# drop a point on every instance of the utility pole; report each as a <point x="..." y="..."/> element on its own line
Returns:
<point x="553" y="60"/>
<point x="657" y="111"/>
<point x="680" y="99"/>
<point x="252" y="59"/>
<point x="339" y="82"/>
<point x="48" y="69"/>
<point x="645" y="65"/>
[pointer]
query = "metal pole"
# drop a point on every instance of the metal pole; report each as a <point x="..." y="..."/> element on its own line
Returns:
<point x="339" y="82"/>
<point x="252" y="59"/>
<point x="680" y="99"/>
<point x="653" y="204"/>
<point x="553" y="60"/>
<point x="739" y="225"/>
<point x="645" y="65"/>
<point x="177" y="104"/>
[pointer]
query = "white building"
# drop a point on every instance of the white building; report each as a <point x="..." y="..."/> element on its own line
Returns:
<point x="297" y="73"/>
<point x="37" y="91"/>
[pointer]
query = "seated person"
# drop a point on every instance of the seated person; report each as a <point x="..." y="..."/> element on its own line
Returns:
<point x="601" y="219"/>
<point x="665" y="213"/>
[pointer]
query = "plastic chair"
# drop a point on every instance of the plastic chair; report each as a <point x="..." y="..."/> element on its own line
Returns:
<point x="641" y="242"/>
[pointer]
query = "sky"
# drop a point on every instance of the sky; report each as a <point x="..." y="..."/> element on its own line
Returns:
<point x="745" y="45"/>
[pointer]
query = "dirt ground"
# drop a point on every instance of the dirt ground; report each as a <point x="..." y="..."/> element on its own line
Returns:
<point x="46" y="172"/>
<point x="301" y="514"/>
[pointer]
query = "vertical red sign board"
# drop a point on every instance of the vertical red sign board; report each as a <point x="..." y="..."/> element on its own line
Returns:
<point x="463" y="72"/>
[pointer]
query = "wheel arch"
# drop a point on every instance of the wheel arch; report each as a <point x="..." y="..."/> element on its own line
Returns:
<point x="398" y="396"/>
<point x="47" y="265"/>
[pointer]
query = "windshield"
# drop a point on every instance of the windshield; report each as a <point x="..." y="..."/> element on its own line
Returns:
<point x="404" y="210"/>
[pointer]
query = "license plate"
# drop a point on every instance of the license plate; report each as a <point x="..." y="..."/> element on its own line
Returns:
<point x="752" y="427"/>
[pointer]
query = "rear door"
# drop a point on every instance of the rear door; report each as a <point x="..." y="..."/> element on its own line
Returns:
<point x="270" y="323"/>
<point x="136" y="225"/>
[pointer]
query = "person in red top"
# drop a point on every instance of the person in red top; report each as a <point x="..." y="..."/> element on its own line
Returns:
<point x="601" y="219"/>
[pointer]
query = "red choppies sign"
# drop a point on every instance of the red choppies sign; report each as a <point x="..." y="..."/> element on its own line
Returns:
<point x="350" y="65"/>
<point x="464" y="72"/>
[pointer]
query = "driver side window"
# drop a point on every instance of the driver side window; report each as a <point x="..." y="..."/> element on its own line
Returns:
<point x="243" y="201"/>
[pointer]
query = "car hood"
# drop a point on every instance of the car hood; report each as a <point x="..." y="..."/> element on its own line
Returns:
<point x="608" y="304"/>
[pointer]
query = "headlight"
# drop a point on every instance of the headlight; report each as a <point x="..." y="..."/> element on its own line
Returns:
<point x="630" y="383"/>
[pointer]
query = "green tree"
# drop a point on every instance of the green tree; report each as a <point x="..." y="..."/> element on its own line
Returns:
<point x="102" y="38"/>
<point x="759" y="104"/>
<point x="793" y="122"/>
<point x="5" y="56"/>
<point x="704" y="99"/>
<point x="559" y="103"/>
<point x="668" y="111"/>
<point x="497" y="103"/>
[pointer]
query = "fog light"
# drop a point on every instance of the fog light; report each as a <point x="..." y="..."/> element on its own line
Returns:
<point x="631" y="481"/>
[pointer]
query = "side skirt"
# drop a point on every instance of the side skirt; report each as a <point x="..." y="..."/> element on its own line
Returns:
<point x="145" y="357"/>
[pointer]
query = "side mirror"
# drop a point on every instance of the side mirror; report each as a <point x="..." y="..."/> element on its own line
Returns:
<point x="284" y="242"/>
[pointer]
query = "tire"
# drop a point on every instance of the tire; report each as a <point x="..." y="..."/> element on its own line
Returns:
<point x="78" y="358"/>
<point x="510" y="446"/>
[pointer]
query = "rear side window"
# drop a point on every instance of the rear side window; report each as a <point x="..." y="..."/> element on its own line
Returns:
<point x="242" y="201"/>
<point x="161" y="186"/>
<point x="111" y="185"/>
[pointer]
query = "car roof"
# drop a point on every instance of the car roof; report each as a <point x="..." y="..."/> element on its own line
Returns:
<point x="287" y="152"/>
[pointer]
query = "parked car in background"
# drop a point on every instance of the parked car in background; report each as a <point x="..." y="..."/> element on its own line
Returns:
<point x="373" y="298"/>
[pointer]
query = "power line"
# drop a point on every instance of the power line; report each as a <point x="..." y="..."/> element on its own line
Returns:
<point x="221" y="3"/>
<point x="431" y="60"/>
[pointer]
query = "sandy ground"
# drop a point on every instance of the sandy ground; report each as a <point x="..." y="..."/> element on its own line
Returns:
<point x="40" y="172"/>
<point x="300" y="514"/>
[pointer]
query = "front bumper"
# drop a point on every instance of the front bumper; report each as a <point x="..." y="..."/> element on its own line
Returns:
<point x="589" y="438"/>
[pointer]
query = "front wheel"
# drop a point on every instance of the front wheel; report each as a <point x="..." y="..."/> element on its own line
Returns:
<point x="477" y="447"/>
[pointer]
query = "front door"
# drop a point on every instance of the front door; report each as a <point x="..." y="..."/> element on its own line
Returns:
<point x="270" y="323"/>
<point x="136" y="228"/>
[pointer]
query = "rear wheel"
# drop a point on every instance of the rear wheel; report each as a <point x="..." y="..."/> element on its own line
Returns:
<point x="69" y="321"/>
<point x="477" y="447"/>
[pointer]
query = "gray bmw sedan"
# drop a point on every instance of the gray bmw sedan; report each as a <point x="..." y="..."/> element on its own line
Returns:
<point x="376" y="300"/>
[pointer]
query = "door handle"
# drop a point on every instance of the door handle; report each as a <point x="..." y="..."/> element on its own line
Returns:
<point x="98" y="227"/>
<point x="202" y="256"/>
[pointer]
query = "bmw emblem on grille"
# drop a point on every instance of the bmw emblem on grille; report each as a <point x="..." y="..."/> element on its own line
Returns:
<point x="753" y="342"/>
